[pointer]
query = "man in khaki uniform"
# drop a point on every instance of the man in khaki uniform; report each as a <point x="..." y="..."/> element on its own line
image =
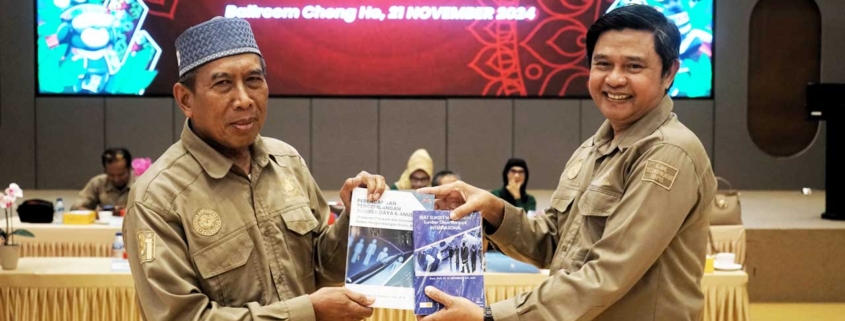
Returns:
<point x="110" y="188"/>
<point x="625" y="237"/>
<point x="229" y="225"/>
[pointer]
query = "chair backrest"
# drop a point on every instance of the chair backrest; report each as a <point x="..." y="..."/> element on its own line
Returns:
<point x="728" y="238"/>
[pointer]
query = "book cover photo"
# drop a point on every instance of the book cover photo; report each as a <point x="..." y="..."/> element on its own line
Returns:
<point x="448" y="256"/>
<point x="381" y="246"/>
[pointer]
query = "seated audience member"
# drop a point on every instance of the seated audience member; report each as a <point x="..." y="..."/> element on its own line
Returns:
<point x="417" y="174"/>
<point x="110" y="188"/>
<point x="515" y="179"/>
<point x="444" y="177"/>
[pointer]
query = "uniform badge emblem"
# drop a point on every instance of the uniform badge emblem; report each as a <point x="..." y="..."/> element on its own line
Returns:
<point x="573" y="170"/>
<point x="146" y="246"/>
<point x="289" y="186"/>
<point x="206" y="222"/>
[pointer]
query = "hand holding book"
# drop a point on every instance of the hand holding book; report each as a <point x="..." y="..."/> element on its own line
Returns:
<point x="374" y="184"/>
<point x="463" y="199"/>
<point x="454" y="307"/>
<point x="332" y="303"/>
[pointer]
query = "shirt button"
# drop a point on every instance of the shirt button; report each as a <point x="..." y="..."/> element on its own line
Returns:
<point x="279" y="280"/>
<point x="266" y="233"/>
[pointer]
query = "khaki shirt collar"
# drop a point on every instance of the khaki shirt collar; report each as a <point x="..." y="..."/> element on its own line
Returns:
<point x="214" y="163"/>
<point x="640" y="129"/>
<point x="259" y="152"/>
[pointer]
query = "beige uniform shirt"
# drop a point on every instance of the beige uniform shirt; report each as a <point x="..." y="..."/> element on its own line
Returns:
<point x="625" y="236"/>
<point x="208" y="242"/>
<point x="99" y="192"/>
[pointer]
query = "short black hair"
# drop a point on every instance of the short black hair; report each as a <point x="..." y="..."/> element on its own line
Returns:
<point x="189" y="79"/>
<point x="667" y="38"/>
<point x="112" y="155"/>
<point x="435" y="181"/>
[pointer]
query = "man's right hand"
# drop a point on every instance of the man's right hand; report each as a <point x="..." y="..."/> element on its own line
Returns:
<point x="463" y="199"/>
<point x="333" y="303"/>
<point x="374" y="183"/>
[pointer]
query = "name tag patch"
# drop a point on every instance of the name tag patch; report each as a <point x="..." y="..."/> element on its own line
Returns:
<point x="660" y="173"/>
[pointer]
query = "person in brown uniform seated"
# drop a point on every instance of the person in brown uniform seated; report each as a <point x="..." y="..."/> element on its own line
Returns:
<point x="626" y="234"/>
<point x="229" y="225"/>
<point x="110" y="189"/>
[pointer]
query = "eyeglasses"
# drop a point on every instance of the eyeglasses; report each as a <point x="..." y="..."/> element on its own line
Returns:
<point x="517" y="171"/>
<point x="419" y="179"/>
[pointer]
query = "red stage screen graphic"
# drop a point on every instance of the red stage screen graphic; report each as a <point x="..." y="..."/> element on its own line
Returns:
<point x="400" y="47"/>
<point x="393" y="48"/>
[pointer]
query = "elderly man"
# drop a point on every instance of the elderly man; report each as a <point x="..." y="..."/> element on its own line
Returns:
<point x="110" y="188"/>
<point x="229" y="225"/>
<point x="626" y="233"/>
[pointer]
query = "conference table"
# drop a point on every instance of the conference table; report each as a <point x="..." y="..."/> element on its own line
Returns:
<point x="60" y="240"/>
<point x="76" y="288"/>
<point x="68" y="288"/>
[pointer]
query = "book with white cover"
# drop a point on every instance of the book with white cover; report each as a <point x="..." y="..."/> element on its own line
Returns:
<point x="381" y="246"/>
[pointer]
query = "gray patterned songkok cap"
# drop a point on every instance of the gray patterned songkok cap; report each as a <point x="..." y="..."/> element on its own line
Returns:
<point x="214" y="39"/>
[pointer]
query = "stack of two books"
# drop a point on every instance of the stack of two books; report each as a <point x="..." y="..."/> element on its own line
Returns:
<point x="399" y="245"/>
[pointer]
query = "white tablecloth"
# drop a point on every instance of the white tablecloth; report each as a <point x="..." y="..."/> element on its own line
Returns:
<point x="58" y="240"/>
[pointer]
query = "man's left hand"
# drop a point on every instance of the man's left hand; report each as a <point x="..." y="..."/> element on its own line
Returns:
<point x="455" y="308"/>
<point x="374" y="183"/>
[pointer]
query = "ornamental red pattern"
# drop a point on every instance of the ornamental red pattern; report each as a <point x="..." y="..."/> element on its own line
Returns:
<point x="163" y="8"/>
<point x="543" y="57"/>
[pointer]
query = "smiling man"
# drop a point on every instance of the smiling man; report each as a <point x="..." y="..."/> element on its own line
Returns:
<point x="625" y="237"/>
<point x="229" y="225"/>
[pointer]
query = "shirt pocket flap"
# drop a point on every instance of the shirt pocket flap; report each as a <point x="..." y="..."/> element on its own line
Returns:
<point x="561" y="204"/>
<point x="300" y="220"/>
<point x="562" y="199"/>
<point x="595" y="203"/>
<point x="228" y="254"/>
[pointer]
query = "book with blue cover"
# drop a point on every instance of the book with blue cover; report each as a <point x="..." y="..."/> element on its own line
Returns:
<point x="448" y="256"/>
<point x="381" y="246"/>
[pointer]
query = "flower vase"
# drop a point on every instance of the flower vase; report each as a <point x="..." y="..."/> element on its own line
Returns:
<point x="9" y="256"/>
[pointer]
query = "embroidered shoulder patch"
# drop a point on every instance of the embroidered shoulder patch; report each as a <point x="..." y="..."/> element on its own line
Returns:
<point x="146" y="246"/>
<point x="660" y="173"/>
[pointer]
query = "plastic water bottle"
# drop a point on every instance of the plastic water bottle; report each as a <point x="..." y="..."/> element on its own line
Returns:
<point x="117" y="249"/>
<point x="58" y="215"/>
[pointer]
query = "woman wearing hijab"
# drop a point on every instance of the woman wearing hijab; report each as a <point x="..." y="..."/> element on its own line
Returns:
<point x="515" y="178"/>
<point x="418" y="173"/>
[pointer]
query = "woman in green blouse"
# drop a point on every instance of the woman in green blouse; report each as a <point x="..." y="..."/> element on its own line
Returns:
<point x="515" y="179"/>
